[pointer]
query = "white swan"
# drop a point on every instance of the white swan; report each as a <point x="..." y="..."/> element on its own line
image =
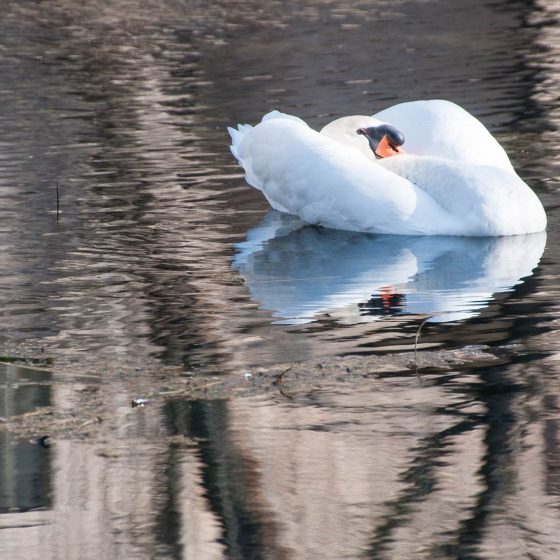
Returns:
<point x="454" y="179"/>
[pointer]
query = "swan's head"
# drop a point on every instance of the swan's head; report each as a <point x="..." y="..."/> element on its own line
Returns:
<point x="384" y="140"/>
<point x="372" y="137"/>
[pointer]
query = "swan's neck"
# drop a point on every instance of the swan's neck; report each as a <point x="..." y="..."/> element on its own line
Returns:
<point x="345" y="131"/>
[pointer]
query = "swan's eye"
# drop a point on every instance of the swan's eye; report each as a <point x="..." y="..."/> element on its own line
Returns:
<point x="394" y="136"/>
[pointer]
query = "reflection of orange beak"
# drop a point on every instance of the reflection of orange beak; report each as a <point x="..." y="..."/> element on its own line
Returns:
<point x="387" y="293"/>
<point x="386" y="149"/>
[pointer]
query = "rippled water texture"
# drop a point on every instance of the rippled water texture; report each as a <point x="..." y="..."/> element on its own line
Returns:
<point x="161" y="253"/>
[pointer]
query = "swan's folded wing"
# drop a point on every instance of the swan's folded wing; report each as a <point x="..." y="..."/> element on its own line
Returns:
<point x="326" y="183"/>
<point x="486" y="200"/>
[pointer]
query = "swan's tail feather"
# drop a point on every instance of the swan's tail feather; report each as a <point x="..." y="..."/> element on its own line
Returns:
<point x="237" y="135"/>
<point x="245" y="161"/>
<point x="278" y="115"/>
<point x="274" y="115"/>
<point x="243" y="144"/>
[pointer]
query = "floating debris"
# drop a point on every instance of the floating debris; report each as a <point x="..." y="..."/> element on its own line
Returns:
<point x="140" y="402"/>
<point x="107" y="454"/>
<point x="44" y="441"/>
<point x="6" y="359"/>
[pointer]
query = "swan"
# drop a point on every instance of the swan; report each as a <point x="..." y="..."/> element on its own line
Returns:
<point x="417" y="168"/>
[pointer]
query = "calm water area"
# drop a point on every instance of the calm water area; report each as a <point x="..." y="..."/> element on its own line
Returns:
<point x="160" y="254"/>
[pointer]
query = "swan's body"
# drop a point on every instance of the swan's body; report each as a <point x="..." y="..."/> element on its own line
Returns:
<point x="458" y="182"/>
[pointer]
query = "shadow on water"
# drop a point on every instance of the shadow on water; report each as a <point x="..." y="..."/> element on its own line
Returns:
<point x="496" y="472"/>
<point x="230" y="477"/>
<point x="24" y="465"/>
<point x="440" y="467"/>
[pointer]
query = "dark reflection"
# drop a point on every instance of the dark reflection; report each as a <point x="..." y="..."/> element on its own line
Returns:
<point x="25" y="477"/>
<point x="230" y="478"/>
<point x="498" y="392"/>
<point x="440" y="469"/>
<point x="300" y="272"/>
<point x="551" y="435"/>
<point x="497" y="470"/>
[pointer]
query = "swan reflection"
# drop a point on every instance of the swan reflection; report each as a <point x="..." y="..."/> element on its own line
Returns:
<point x="299" y="271"/>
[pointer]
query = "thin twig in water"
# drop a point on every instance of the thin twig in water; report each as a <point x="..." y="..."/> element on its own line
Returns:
<point x="57" y="203"/>
<point x="40" y="412"/>
<point x="279" y="382"/>
<point x="416" y="344"/>
<point x="95" y="420"/>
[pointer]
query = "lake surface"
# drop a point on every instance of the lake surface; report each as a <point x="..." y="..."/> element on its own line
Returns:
<point x="161" y="254"/>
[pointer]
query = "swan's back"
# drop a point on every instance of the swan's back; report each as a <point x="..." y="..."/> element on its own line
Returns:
<point x="441" y="128"/>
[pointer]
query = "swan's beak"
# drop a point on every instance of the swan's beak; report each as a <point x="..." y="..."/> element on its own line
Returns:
<point x="384" y="140"/>
<point x="386" y="148"/>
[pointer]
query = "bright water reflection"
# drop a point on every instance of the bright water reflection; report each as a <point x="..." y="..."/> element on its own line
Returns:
<point x="299" y="272"/>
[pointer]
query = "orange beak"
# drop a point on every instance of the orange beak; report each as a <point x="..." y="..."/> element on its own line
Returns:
<point x="386" y="149"/>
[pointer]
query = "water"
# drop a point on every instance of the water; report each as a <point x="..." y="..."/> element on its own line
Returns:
<point x="161" y="254"/>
